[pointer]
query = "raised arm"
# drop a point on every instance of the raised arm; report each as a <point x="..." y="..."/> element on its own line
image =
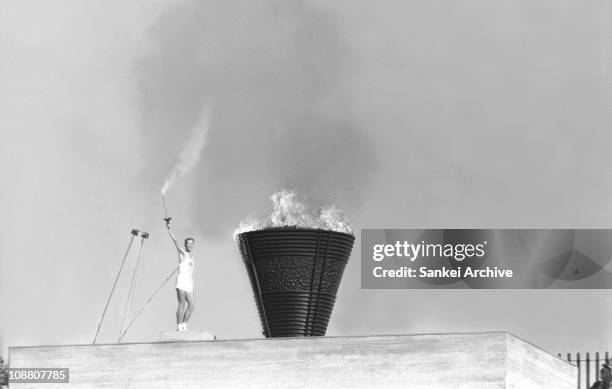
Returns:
<point x="178" y="248"/>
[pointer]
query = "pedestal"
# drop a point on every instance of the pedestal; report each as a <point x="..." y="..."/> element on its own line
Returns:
<point x="459" y="361"/>
<point x="185" y="336"/>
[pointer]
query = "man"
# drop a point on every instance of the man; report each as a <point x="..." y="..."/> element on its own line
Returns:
<point x="605" y="375"/>
<point x="184" y="281"/>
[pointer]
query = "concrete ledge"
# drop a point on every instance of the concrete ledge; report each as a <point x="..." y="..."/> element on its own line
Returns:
<point x="474" y="361"/>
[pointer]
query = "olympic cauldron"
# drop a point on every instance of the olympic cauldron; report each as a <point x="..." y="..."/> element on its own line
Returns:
<point x="295" y="274"/>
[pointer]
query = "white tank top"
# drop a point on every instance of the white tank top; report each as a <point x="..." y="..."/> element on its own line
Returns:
<point x="186" y="264"/>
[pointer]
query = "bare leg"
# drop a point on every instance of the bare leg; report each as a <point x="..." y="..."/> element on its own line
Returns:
<point x="190" y="306"/>
<point x="182" y="306"/>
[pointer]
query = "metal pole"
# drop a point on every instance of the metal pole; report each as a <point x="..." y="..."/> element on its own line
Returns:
<point x="597" y="366"/>
<point x="146" y="303"/>
<point x="588" y="370"/>
<point x="579" y="372"/>
<point x="128" y="303"/>
<point x="134" y="233"/>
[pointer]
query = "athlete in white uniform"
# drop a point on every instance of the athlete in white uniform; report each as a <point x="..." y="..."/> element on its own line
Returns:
<point x="184" y="281"/>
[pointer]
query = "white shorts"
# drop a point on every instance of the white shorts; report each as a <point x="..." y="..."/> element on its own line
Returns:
<point x="185" y="283"/>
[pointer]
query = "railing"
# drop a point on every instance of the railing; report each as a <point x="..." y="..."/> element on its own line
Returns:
<point x="588" y="369"/>
<point x="3" y="375"/>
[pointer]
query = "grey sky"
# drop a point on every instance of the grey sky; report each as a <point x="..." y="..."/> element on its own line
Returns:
<point x="410" y="114"/>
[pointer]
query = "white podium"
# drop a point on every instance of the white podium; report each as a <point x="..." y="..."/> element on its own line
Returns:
<point x="185" y="336"/>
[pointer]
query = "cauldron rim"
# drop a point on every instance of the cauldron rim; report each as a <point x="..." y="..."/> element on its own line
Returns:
<point x="294" y="228"/>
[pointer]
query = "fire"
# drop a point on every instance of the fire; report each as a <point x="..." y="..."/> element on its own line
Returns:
<point x="289" y="211"/>
<point x="332" y="218"/>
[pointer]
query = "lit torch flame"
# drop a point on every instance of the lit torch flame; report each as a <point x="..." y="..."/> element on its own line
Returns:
<point x="290" y="212"/>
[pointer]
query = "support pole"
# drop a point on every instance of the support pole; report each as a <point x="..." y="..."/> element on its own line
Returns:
<point x="134" y="232"/>
<point x="130" y="298"/>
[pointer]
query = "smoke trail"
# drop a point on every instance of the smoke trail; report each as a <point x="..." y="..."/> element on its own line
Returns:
<point x="190" y="154"/>
<point x="299" y="131"/>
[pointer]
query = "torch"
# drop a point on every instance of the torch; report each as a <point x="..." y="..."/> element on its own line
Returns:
<point x="166" y="219"/>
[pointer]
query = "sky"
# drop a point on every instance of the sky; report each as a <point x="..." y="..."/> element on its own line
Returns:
<point x="410" y="114"/>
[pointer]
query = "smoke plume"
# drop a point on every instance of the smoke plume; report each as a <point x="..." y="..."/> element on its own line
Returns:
<point x="190" y="154"/>
<point x="283" y="115"/>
